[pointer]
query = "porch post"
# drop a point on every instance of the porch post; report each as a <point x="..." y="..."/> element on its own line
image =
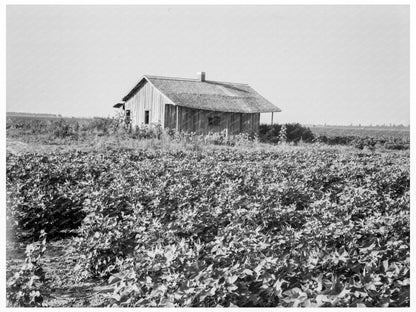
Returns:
<point x="272" y="118"/>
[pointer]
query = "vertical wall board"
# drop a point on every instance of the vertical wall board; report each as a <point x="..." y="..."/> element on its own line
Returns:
<point x="165" y="119"/>
<point x="232" y="123"/>
<point x="184" y="119"/>
<point x="167" y="116"/>
<point x="224" y="121"/>
<point x="162" y="113"/>
<point x="251" y="122"/>
<point x="179" y="112"/>
<point x="211" y="128"/>
<point x="229" y="122"/>
<point x="256" y="123"/>
<point x="245" y="123"/>
<point x="202" y="122"/>
<point x="235" y="126"/>
<point x="170" y="116"/>
<point x="197" y="122"/>
<point x="194" y="114"/>
<point x="241" y="122"/>
<point x="176" y="117"/>
<point x="187" y="119"/>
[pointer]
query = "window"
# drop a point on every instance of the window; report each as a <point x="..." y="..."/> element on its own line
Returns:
<point x="127" y="115"/>
<point x="146" y="117"/>
<point x="214" y="121"/>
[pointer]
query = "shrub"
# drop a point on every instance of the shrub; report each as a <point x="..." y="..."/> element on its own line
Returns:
<point x="61" y="129"/>
<point x="294" y="133"/>
<point x="97" y="125"/>
<point x="297" y="132"/>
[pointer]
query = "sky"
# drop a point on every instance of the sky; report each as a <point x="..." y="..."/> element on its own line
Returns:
<point x="320" y="64"/>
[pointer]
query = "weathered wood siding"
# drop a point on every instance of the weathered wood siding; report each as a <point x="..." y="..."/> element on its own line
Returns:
<point x="147" y="98"/>
<point x="197" y="120"/>
<point x="170" y="116"/>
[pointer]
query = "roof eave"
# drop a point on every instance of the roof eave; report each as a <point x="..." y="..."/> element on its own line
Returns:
<point x="134" y="90"/>
<point x="277" y="110"/>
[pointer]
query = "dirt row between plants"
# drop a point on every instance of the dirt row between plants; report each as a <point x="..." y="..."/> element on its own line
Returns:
<point x="58" y="263"/>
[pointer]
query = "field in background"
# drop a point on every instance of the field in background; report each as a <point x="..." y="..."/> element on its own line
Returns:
<point x="27" y="127"/>
<point x="376" y="132"/>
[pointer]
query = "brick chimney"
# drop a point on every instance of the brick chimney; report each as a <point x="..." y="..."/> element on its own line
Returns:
<point x="201" y="76"/>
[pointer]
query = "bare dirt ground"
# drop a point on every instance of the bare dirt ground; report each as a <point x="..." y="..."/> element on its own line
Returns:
<point x="18" y="147"/>
<point x="15" y="147"/>
<point x="58" y="264"/>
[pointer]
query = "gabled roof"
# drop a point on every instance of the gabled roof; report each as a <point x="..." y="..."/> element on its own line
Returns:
<point x="208" y="95"/>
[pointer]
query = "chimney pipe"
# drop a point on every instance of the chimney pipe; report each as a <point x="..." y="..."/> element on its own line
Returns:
<point x="201" y="76"/>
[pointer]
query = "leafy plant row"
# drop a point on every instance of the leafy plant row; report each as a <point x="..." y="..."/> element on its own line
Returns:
<point x="307" y="227"/>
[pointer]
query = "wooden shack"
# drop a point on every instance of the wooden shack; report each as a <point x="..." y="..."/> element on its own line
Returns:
<point x="195" y="105"/>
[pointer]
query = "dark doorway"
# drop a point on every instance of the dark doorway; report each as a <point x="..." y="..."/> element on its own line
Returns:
<point x="146" y="117"/>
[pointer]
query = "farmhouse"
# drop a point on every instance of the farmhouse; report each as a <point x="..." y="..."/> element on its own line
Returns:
<point x="195" y="105"/>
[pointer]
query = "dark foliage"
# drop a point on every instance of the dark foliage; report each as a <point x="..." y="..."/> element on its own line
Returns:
<point x="295" y="132"/>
